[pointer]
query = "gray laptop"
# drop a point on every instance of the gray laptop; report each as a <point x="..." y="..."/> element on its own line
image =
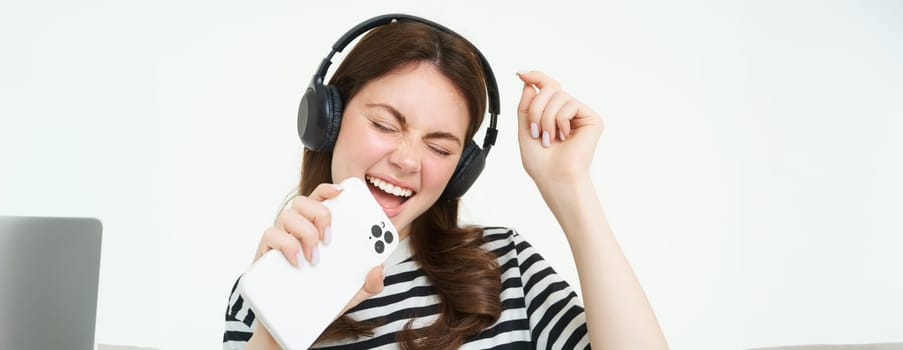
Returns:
<point x="49" y="269"/>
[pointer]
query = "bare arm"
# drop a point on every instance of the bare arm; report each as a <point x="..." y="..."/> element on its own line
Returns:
<point x="558" y="136"/>
<point x="618" y="315"/>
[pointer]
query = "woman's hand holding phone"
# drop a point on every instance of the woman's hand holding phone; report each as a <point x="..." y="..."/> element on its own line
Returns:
<point x="297" y="233"/>
<point x="301" y="226"/>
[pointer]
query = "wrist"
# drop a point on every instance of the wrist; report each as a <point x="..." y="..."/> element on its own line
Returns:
<point x="568" y="197"/>
<point x="579" y="212"/>
<point x="564" y="186"/>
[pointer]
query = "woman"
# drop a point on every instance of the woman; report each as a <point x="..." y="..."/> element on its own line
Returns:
<point x="413" y="97"/>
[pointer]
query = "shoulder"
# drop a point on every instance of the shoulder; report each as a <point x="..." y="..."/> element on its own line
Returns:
<point x="505" y="243"/>
<point x="493" y="233"/>
<point x="495" y="236"/>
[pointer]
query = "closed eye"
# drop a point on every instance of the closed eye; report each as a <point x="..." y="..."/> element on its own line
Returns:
<point x="440" y="151"/>
<point x="382" y="127"/>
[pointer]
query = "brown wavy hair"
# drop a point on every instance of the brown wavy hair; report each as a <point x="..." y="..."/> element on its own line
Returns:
<point x="465" y="277"/>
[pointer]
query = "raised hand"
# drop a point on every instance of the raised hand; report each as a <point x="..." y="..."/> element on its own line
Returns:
<point x="557" y="133"/>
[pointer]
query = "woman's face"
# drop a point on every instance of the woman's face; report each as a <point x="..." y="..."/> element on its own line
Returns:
<point x="403" y="134"/>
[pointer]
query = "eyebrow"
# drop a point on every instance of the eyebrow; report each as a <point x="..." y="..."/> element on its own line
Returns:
<point x="404" y="123"/>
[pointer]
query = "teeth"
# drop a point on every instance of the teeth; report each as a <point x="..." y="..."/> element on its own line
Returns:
<point x="390" y="188"/>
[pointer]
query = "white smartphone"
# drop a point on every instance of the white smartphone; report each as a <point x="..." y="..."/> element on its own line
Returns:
<point x="297" y="303"/>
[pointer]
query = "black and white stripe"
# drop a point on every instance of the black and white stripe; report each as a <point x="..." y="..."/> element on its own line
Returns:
<point x="539" y="309"/>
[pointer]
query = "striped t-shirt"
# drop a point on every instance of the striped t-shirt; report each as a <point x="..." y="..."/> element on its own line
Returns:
<point x="539" y="309"/>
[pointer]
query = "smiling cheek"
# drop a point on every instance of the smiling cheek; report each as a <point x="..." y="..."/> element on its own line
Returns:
<point x="435" y="174"/>
<point x="375" y="147"/>
<point x="357" y="151"/>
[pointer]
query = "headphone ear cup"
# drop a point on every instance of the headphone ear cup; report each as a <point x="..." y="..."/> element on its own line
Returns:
<point x="472" y="162"/>
<point x="333" y="116"/>
<point x="319" y="116"/>
<point x="308" y="111"/>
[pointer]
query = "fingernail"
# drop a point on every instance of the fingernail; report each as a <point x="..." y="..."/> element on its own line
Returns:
<point x="315" y="256"/>
<point x="290" y="203"/>
<point x="545" y="139"/>
<point x="299" y="259"/>
<point x="337" y="187"/>
<point x="327" y="235"/>
<point x="561" y="135"/>
<point x="523" y="71"/>
<point x="534" y="130"/>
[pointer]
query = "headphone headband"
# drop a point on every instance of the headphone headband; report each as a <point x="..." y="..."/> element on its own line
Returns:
<point x="492" y="89"/>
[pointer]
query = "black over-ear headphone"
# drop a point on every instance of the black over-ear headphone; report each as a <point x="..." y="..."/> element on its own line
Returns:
<point x="320" y="113"/>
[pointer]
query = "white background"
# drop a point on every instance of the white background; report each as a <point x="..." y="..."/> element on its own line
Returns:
<point x="750" y="166"/>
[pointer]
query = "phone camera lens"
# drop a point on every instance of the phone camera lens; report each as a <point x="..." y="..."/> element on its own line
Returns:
<point x="376" y="231"/>
<point x="389" y="237"/>
<point x="379" y="247"/>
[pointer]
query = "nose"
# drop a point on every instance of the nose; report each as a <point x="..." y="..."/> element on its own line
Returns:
<point x="406" y="157"/>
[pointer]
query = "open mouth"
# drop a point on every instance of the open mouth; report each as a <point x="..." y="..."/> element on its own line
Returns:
<point x="389" y="196"/>
<point x="390" y="188"/>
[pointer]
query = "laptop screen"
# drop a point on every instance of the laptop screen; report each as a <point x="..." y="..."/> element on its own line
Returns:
<point x="49" y="270"/>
